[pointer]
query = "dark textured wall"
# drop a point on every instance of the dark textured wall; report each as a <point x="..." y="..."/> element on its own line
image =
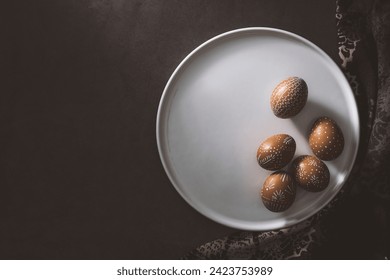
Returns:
<point x="80" y="175"/>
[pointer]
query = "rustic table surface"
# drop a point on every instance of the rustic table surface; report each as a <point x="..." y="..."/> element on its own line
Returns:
<point x="80" y="174"/>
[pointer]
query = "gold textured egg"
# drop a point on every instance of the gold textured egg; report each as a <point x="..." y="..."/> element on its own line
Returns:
<point x="310" y="173"/>
<point x="278" y="191"/>
<point x="326" y="139"/>
<point x="276" y="151"/>
<point x="289" y="97"/>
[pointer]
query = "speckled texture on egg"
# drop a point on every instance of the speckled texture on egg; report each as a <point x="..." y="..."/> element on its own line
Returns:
<point x="326" y="139"/>
<point x="278" y="191"/>
<point x="276" y="151"/>
<point x="310" y="173"/>
<point x="289" y="97"/>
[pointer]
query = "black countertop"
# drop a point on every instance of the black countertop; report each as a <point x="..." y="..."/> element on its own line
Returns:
<point x="80" y="174"/>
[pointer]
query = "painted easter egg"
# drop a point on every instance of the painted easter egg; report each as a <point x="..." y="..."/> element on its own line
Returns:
<point x="276" y="151"/>
<point x="289" y="97"/>
<point x="326" y="139"/>
<point x="278" y="191"/>
<point x="310" y="173"/>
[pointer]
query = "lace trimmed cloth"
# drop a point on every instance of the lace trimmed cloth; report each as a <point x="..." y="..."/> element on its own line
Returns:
<point x="356" y="224"/>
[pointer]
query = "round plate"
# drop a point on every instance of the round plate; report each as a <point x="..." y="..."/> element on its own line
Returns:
<point x="215" y="111"/>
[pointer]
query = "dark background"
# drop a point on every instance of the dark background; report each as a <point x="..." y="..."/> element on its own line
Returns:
<point x="80" y="174"/>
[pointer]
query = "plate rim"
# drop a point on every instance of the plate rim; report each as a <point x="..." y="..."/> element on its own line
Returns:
<point x="168" y="171"/>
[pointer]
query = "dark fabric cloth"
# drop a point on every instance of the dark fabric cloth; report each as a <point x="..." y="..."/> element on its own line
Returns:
<point x="356" y="224"/>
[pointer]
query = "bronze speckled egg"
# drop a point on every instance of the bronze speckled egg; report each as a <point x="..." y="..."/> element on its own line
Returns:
<point x="276" y="151"/>
<point x="289" y="97"/>
<point x="278" y="191"/>
<point x="326" y="139"/>
<point x="310" y="173"/>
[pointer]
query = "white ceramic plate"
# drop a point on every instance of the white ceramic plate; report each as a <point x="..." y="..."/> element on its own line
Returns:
<point x="215" y="111"/>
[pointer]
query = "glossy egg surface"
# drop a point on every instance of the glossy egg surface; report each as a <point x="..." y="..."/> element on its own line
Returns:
<point x="310" y="173"/>
<point x="278" y="191"/>
<point x="289" y="97"/>
<point x="326" y="139"/>
<point x="276" y="151"/>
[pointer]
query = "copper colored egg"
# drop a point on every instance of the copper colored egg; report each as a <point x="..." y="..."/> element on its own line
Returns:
<point x="326" y="139"/>
<point x="289" y="97"/>
<point x="276" y="151"/>
<point x="310" y="173"/>
<point x="278" y="191"/>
